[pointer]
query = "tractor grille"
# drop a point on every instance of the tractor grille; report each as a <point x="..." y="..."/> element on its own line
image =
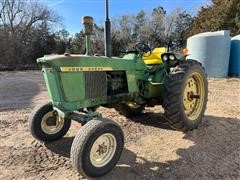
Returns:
<point x="95" y="84"/>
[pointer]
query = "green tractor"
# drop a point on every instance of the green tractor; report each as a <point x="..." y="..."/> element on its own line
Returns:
<point x="78" y="84"/>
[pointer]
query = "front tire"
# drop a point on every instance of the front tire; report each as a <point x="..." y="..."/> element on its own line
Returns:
<point x="97" y="148"/>
<point x="185" y="98"/>
<point x="45" y="126"/>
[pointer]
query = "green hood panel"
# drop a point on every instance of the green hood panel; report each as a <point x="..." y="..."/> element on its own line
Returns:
<point x="59" y="62"/>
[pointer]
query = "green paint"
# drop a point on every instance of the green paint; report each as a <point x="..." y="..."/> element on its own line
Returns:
<point x="73" y="87"/>
<point x="65" y="81"/>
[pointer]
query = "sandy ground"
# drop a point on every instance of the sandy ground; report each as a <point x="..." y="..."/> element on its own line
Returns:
<point x="152" y="149"/>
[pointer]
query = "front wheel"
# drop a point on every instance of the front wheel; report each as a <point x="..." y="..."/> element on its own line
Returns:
<point x="185" y="98"/>
<point x="45" y="125"/>
<point x="97" y="148"/>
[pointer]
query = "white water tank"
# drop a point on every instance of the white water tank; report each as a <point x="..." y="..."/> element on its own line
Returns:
<point x="212" y="49"/>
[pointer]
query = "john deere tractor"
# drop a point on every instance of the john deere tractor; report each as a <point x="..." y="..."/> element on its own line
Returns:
<point x="78" y="84"/>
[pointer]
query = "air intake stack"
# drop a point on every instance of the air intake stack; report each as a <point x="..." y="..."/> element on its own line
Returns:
<point x="87" y="22"/>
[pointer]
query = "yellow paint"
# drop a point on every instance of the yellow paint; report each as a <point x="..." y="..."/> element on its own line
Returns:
<point x="155" y="57"/>
<point x="84" y="69"/>
<point x="194" y="86"/>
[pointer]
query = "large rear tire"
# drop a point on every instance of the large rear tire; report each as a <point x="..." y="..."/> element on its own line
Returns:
<point x="186" y="93"/>
<point x="97" y="148"/>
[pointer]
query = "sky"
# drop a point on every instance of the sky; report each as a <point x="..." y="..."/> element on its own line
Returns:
<point x="73" y="10"/>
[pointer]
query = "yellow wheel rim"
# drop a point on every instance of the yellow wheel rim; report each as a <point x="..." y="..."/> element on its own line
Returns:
<point x="51" y="124"/>
<point x="194" y="96"/>
<point x="103" y="150"/>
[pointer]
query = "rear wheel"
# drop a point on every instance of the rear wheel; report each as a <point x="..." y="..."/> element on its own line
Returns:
<point x="130" y="109"/>
<point x="185" y="98"/>
<point x="45" y="125"/>
<point x="97" y="148"/>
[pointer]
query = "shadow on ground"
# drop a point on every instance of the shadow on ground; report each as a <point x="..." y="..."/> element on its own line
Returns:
<point x="152" y="119"/>
<point x="214" y="155"/>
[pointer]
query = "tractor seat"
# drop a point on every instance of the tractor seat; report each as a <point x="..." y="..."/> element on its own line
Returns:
<point x="155" y="57"/>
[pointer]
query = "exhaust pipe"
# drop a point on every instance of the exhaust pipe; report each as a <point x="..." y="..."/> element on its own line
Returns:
<point x="107" y="30"/>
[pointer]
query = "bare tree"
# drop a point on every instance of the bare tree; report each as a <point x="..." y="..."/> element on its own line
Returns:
<point x="19" y="21"/>
<point x="170" y="21"/>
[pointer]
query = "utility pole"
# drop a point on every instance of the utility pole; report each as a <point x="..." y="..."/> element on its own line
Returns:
<point x="108" y="47"/>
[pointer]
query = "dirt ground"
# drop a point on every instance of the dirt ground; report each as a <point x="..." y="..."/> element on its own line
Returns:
<point x="152" y="149"/>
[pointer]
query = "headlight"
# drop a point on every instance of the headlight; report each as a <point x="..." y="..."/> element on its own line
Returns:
<point x="165" y="57"/>
<point x="171" y="57"/>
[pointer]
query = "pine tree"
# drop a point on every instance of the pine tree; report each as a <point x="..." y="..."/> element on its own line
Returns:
<point x="220" y="15"/>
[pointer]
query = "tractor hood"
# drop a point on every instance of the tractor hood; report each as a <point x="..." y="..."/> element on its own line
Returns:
<point x="91" y="63"/>
<point x="48" y="58"/>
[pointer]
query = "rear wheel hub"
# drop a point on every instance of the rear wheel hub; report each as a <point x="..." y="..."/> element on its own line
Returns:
<point x="193" y="97"/>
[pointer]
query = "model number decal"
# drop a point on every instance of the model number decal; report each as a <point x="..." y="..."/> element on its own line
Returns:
<point x="76" y="69"/>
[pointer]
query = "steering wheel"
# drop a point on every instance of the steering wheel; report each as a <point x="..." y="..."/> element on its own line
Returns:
<point x="140" y="48"/>
<point x="123" y="51"/>
<point x="143" y="48"/>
